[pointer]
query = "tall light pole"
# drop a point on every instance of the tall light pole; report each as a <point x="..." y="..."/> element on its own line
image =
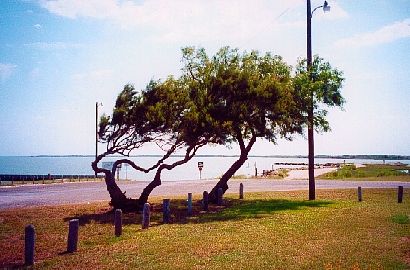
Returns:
<point x="311" y="146"/>
<point x="96" y="130"/>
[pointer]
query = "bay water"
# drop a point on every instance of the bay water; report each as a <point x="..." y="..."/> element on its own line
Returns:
<point x="213" y="166"/>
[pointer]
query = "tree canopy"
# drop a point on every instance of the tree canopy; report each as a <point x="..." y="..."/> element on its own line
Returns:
<point x="230" y="97"/>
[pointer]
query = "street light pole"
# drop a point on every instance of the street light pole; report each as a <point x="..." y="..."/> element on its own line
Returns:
<point x="311" y="145"/>
<point x="96" y="131"/>
<point x="311" y="148"/>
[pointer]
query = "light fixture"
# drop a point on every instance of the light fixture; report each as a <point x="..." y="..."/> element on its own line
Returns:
<point x="326" y="7"/>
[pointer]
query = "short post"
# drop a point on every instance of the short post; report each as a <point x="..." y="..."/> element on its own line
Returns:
<point x="166" y="211"/>
<point x="220" y="194"/>
<point x="189" y="203"/>
<point x="72" y="235"/>
<point x="359" y="193"/>
<point x="241" y="191"/>
<point x="205" y="200"/>
<point x="118" y="222"/>
<point x="29" y="243"/>
<point x="400" y="195"/>
<point x="145" y="216"/>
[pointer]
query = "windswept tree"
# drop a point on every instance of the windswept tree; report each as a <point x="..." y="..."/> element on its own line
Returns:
<point x="167" y="113"/>
<point x="249" y="96"/>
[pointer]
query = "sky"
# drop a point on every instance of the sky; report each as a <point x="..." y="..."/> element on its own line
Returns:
<point x="59" y="57"/>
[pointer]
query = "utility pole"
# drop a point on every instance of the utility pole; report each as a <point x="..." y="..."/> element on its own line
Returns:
<point x="311" y="145"/>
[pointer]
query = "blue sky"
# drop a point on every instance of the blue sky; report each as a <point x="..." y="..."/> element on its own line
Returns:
<point x="58" y="57"/>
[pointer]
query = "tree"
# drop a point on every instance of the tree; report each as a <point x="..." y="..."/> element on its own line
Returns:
<point x="249" y="96"/>
<point x="164" y="114"/>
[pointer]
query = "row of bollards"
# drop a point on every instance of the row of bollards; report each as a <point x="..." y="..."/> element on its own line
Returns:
<point x="30" y="238"/>
<point x="399" y="194"/>
<point x="73" y="227"/>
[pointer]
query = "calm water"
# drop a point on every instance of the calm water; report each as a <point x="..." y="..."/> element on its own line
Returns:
<point x="213" y="166"/>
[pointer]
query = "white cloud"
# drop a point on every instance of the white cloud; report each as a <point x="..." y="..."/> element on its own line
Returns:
<point x="93" y="75"/>
<point x="386" y="34"/>
<point x="37" y="26"/>
<point x="52" y="45"/>
<point x="6" y="70"/>
<point x="193" y="19"/>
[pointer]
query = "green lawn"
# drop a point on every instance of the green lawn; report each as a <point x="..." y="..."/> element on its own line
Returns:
<point x="275" y="230"/>
<point x="377" y="172"/>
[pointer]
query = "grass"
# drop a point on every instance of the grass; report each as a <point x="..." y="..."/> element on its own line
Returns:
<point x="274" y="230"/>
<point x="377" y="172"/>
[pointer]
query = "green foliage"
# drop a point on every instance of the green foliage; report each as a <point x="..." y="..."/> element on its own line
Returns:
<point x="369" y="171"/>
<point x="401" y="219"/>
<point x="319" y="87"/>
<point x="245" y="94"/>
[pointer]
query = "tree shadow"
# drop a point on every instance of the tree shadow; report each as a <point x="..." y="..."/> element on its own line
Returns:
<point x="260" y="208"/>
<point x="232" y="209"/>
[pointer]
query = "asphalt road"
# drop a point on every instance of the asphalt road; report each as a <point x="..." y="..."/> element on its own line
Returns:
<point x="73" y="193"/>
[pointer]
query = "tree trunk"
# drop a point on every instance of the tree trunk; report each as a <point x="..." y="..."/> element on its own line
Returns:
<point x="223" y="182"/>
<point x="148" y="189"/>
<point x="118" y="198"/>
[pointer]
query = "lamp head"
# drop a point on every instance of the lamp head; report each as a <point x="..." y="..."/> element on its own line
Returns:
<point x="326" y="7"/>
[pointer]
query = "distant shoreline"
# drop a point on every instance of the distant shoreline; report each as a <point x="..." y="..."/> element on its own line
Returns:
<point x="371" y="157"/>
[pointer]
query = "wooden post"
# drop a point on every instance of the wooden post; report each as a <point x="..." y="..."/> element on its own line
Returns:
<point x="72" y="235"/>
<point x="145" y="216"/>
<point x="220" y="194"/>
<point x="118" y="222"/>
<point x="359" y="193"/>
<point x="205" y="200"/>
<point x="29" y="243"/>
<point x="400" y="195"/>
<point x="166" y="211"/>
<point x="189" y="202"/>
<point x="241" y="191"/>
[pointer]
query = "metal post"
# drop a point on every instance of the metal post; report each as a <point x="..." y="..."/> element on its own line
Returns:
<point x="118" y="222"/>
<point x="205" y="200"/>
<point x="146" y="216"/>
<point x="241" y="191"/>
<point x="400" y="195"/>
<point x="29" y="243"/>
<point x="72" y="235"/>
<point x="166" y="211"/>
<point x="359" y="194"/>
<point x="189" y="202"/>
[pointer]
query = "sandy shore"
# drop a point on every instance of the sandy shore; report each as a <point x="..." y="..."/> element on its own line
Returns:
<point x="304" y="174"/>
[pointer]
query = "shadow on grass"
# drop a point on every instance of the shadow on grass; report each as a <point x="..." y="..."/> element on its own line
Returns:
<point x="260" y="208"/>
<point x="232" y="209"/>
